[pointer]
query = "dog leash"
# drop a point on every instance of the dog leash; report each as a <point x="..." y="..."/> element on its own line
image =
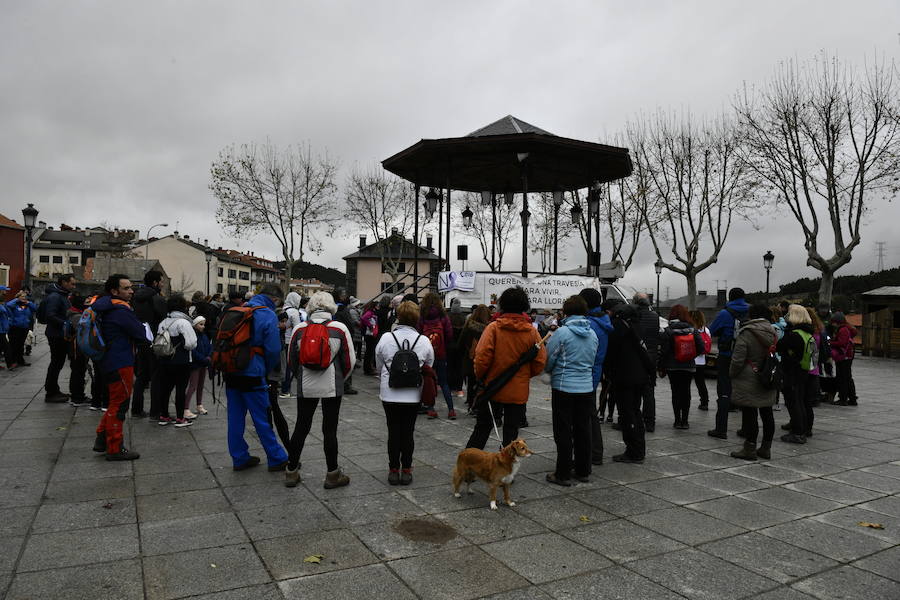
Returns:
<point x="494" y="423"/>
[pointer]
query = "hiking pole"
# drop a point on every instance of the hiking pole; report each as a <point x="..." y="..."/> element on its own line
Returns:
<point x="494" y="423"/>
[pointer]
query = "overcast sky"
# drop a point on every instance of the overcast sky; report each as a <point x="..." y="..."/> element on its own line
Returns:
<point x="113" y="111"/>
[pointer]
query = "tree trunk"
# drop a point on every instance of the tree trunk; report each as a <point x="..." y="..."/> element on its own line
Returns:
<point x="691" y="277"/>
<point x="288" y="267"/>
<point x="826" y="286"/>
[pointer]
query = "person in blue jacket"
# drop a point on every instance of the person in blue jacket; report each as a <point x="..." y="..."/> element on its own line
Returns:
<point x="571" y="351"/>
<point x="4" y="329"/>
<point x="724" y="327"/>
<point x="247" y="391"/>
<point x="21" y="314"/>
<point x="602" y="327"/>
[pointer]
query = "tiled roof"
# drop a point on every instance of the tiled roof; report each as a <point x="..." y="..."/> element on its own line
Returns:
<point x="506" y="126"/>
<point x="9" y="223"/>
<point x="399" y="248"/>
<point x="887" y="290"/>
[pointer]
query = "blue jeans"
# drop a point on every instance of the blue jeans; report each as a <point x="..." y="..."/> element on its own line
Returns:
<point x="257" y="403"/>
<point x="440" y="367"/>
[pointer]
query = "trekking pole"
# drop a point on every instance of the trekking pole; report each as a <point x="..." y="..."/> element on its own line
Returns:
<point x="494" y="423"/>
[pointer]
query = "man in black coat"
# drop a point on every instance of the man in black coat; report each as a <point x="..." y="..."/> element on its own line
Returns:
<point x="55" y="313"/>
<point x="648" y="330"/>
<point x="343" y="316"/>
<point x="149" y="308"/>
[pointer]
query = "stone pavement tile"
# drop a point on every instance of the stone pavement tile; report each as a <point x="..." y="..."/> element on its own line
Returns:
<point x="43" y="460"/>
<point x="339" y="548"/>
<point x="482" y="525"/>
<point x="711" y="459"/>
<point x="545" y="557"/>
<point x="769" y="557"/>
<point x="558" y="513"/>
<point x="745" y="513"/>
<point x="90" y="467"/>
<point x="850" y="517"/>
<point x="80" y="547"/>
<point x="227" y="476"/>
<point x="883" y="563"/>
<point x="439" y="498"/>
<point x="277" y="521"/>
<point x="833" y="542"/>
<point x="724" y="482"/>
<point x="9" y="552"/>
<point x="106" y="488"/>
<point x="622" y="540"/>
<point x="189" y="533"/>
<point x="798" y="503"/>
<point x="372" y="582"/>
<point x="172" y="505"/>
<point x="614" y="583"/>
<point x="81" y="515"/>
<point x="700" y="576"/>
<point x="768" y="473"/>
<point x="621" y="501"/>
<point x="539" y="463"/>
<point x="361" y="484"/>
<point x="668" y="446"/>
<point x="889" y="505"/>
<point x="670" y="466"/>
<point x="269" y="591"/>
<point x="386" y="541"/>
<point x="870" y="481"/>
<point x="622" y="473"/>
<point x="164" y="462"/>
<point x="202" y="571"/>
<point x="179" y="481"/>
<point x="849" y="582"/>
<point x="16" y="521"/>
<point x="272" y="493"/>
<point x="120" y="580"/>
<point x="810" y="464"/>
<point x="529" y="593"/>
<point x="833" y="490"/>
<point x="686" y="525"/>
<point x="372" y="508"/>
<point x="526" y="487"/>
<point x="887" y="469"/>
<point x="676" y="491"/>
<point x="34" y="445"/>
<point x="428" y="575"/>
<point x="783" y="593"/>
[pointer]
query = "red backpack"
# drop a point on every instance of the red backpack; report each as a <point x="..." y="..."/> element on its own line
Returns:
<point x="685" y="347"/>
<point x="315" y="349"/>
<point x="707" y="341"/>
<point x="434" y="331"/>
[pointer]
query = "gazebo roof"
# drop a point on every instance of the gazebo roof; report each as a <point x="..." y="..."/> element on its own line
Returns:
<point x="495" y="158"/>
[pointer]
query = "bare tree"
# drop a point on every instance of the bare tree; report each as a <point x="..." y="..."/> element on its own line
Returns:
<point x="289" y="193"/>
<point x="825" y="139"/>
<point x="541" y="237"/>
<point x="482" y="228"/>
<point x="696" y="185"/>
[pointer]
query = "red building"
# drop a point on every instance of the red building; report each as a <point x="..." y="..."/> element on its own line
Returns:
<point x="12" y="256"/>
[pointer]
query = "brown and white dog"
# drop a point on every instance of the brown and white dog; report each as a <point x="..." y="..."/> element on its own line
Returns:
<point x="494" y="468"/>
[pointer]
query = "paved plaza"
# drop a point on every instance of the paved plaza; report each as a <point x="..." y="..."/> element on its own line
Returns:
<point x="691" y="522"/>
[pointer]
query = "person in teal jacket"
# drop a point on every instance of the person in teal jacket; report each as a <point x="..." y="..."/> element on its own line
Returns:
<point x="571" y="351"/>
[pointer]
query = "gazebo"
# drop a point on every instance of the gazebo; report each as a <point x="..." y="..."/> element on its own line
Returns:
<point x="506" y="157"/>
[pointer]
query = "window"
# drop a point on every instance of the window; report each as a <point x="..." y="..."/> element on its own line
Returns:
<point x="4" y="275"/>
<point x="44" y="258"/>
<point x="897" y="319"/>
<point x="387" y="286"/>
<point x="232" y="287"/>
<point x="73" y="260"/>
<point x="232" y="273"/>
<point x="57" y="260"/>
<point x="244" y="289"/>
<point x="219" y="286"/>
<point x="401" y="267"/>
<point x="221" y="272"/>
<point x="244" y="275"/>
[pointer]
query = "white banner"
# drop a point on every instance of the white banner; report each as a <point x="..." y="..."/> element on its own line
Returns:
<point x="544" y="291"/>
<point x="463" y="281"/>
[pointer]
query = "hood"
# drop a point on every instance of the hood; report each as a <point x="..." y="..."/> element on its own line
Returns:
<point x="680" y="327"/>
<point x="177" y="314"/>
<point x="739" y="306"/>
<point x="54" y="288"/>
<point x="513" y="321"/>
<point x="807" y="327"/>
<point x="578" y="325"/>
<point x="320" y="316"/>
<point x="260" y="300"/>
<point x="475" y="325"/>
<point x="759" y="325"/>
<point x="104" y="304"/>
<point x="292" y="300"/>
<point x="144" y="293"/>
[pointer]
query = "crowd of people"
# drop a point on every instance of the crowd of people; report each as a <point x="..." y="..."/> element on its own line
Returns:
<point x="599" y="356"/>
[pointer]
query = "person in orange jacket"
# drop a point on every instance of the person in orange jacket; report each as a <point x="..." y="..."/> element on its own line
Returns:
<point x="504" y="340"/>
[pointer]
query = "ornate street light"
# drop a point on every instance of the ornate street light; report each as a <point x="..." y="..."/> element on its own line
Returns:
<point x="557" y="203"/>
<point x="594" y="200"/>
<point x="209" y="257"/>
<point x="526" y="217"/>
<point x="658" y="267"/>
<point x="431" y="202"/>
<point x="509" y="198"/>
<point x="29" y="217"/>
<point x="768" y="259"/>
<point x="147" y="246"/>
<point x="467" y="217"/>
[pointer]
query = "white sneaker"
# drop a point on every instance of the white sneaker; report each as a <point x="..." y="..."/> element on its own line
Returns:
<point x="202" y="410"/>
<point x="189" y="415"/>
<point x="283" y="396"/>
<point x="183" y="423"/>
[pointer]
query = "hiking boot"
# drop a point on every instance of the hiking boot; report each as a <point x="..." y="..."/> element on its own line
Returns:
<point x="703" y="406"/>
<point x="349" y="391"/>
<point x="57" y="398"/>
<point x="764" y="450"/>
<point x="80" y="402"/>
<point x="279" y="467"/>
<point x="451" y="415"/>
<point x="748" y="452"/>
<point x="123" y="454"/>
<point x="251" y="462"/>
<point x="100" y="443"/>
<point x="792" y="438"/>
<point x="291" y="478"/>
<point x="405" y="476"/>
<point x="552" y="478"/>
<point x="786" y="426"/>
<point x="394" y="477"/>
<point x="717" y="434"/>
<point x="624" y="458"/>
<point x="598" y="460"/>
<point x="336" y="478"/>
<point x="432" y="414"/>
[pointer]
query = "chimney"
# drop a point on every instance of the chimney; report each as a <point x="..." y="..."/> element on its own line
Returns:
<point x="205" y="242"/>
<point x="721" y="297"/>
<point x="362" y="242"/>
<point x="175" y="235"/>
<point x="42" y="224"/>
<point x="187" y="237"/>
<point x="429" y="242"/>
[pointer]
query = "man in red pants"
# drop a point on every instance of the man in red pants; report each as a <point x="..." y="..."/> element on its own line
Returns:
<point x="121" y="331"/>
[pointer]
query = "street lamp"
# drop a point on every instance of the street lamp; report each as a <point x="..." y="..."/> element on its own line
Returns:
<point x="526" y="217"/>
<point x="147" y="247"/>
<point x="209" y="258"/>
<point x="29" y="216"/>
<point x="768" y="259"/>
<point x="431" y="202"/>
<point x="594" y="200"/>
<point x="509" y="198"/>
<point x="557" y="203"/>
<point x="658" y="267"/>
<point x="467" y="217"/>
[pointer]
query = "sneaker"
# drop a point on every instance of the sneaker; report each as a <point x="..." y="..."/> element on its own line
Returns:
<point x="93" y="407"/>
<point x="164" y="420"/>
<point x="405" y="476"/>
<point x="183" y="423"/>
<point x="703" y="407"/>
<point x="284" y="396"/>
<point x="432" y="414"/>
<point x="123" y="454"/>
<point x="57" y="398"/>
<point x="349" y="391"/>
<point x="189" y="415"/>
<point x="451" y="415"/>
<point x="624" y="458"/>
<point x="791" y="438"/>
<point x="291" y="478"/>
<point x="717" y="434"/>
<point x="609" y="419"/>
<point x="251" y="462"/>
<point x="394" y="477"/>
<point x="552" y="478"/>
<point x="80" y="403"/>
<point x="202" y="410"/>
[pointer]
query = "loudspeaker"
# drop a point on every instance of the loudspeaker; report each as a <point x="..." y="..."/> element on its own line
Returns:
<point x="462" y="252"/>
<point x="595" y="259"/>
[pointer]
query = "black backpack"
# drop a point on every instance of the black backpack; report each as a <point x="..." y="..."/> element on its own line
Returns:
<point x="405" y="371"/>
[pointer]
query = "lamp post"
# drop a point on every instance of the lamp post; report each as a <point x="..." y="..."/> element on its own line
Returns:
<point x="29" y="216"/>
<point x="594" y="212"/>
<point x="209" y="257"/>
<point x="768" y="259"/>
<point x="557" y="203"/>
<point x="147" y="247"/>
<point x="658" y="267"/>
<point x="467" y="217"/>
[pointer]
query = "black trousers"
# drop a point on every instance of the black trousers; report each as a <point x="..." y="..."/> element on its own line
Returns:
<point x="276" y="416"/>
<point x="628" y="400"/>
<point x="17" y="337"/>
<point x="5" y="349"/>
<point x="401" y="424"/>
<point x="58" y="354"/>
<point x="454" y="369"/>
<point x="844" y="376"/>
<point x="174" y="377"/>
<point x="306" y="409"/>
<point x="794" y="391"/>
<point x="809" y="400"/>
<point x="750" y="425"/>
<point x="606" y="400"/>
<point x="511" y="416"/>
<point x="680" y="382"/>
<point x="99" y="388"/>
<point x="648" y="403"/>
<point x="572" y="431"/>
<point x="596" y="429"/>
<point x="145" y="365"/>
<point x="700" y="382"/>
<point x="723" y="391"/>
<point x="369" y="359"/>
<point x="78" y="362"/>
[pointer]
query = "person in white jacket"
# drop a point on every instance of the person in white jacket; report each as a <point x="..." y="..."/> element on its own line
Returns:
<point x="175" y="370"/>
<point x="315" y="385"/>
<point x="401" y="405"/>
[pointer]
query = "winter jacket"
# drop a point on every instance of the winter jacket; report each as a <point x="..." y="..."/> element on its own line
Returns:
<point x="327" y="383"/>
<point x="20" y="314"/>
<point x="200" y="355"/>
<point x="384" y="356"/>
<point x="571" y="352"/>
<point x="602" y="327"/>
<point x="368" y="323"/>
<point x="791" y="347"/>
<point x="292" y="310"/>
<point x="383" y="314"/>
<point x="4" y="320"/>
<point x="627" y="363"/>
<point x="266" y="337"/>
<point x="434" y="316"/>
<point x="667" y="361"/>
<point x="468" y="341"/>
<point x="343" y="316"/>
<point x="183" y="335"/>
<point x="648" y="330"/>
<point x="149" y="306"/>
<point x="780" y="326"/>
<point x="504" y="340"/>
<point x="121" y="331"/>
<point x="842" y="343"/>
<point x="57" y="306"/>
<point x="210" y="312"/>
<point x="751" y="348"/>
<point x="725" y="323"/>
<point x="356" y="330"/>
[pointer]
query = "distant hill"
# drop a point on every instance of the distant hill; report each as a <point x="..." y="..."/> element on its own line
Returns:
<point x="847" y="288"/>
<point x="313" y="271"/>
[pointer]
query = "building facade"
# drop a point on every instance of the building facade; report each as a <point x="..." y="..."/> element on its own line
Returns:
<point x="12" y="256"/>
<point x="387" y="267"/>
